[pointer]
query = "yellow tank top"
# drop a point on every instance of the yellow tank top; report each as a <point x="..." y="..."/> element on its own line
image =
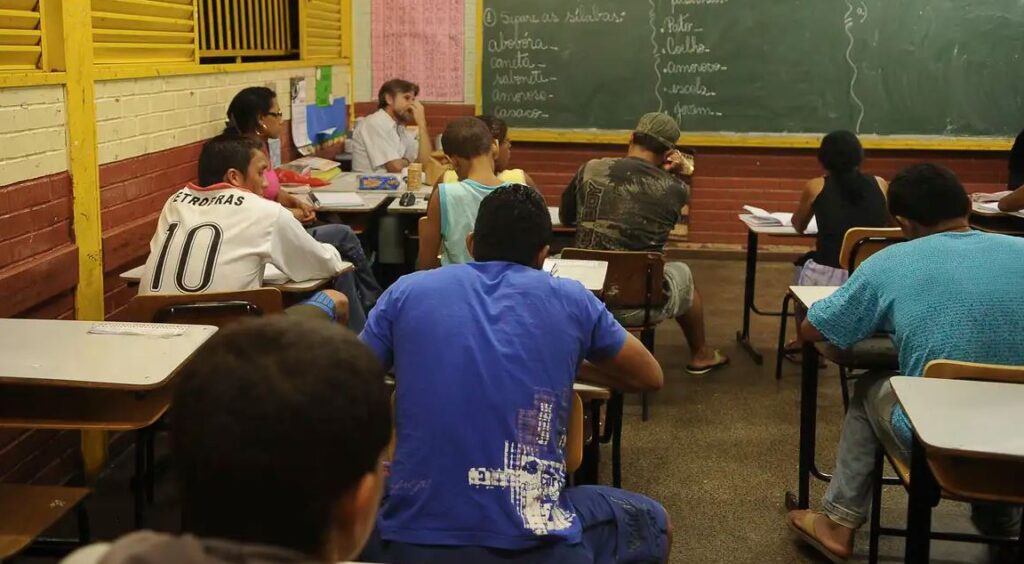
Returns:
<point x="510" y="176"/>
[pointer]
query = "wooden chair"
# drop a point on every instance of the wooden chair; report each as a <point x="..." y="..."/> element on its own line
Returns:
<point x="859" y="243"/>
<point x="28" y="511"/>
<point x="964" y="480"/>
<point x="635" y="280"/>
<point x="218" y="309"/>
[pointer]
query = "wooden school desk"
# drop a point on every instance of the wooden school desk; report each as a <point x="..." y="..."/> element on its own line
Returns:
<point x="58" y="375"/>
<point x="995" y="222"/>
<point x="964" y="431"/>
<point x="749" y="283"/>
<point x="272" y="278"/>
<point x="807" y="296"/>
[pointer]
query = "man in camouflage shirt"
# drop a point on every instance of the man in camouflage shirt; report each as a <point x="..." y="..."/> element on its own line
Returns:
<point x="631" y="204"/>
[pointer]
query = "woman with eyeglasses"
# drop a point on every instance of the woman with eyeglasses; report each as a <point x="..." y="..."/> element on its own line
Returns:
<point x="255" y="113"/>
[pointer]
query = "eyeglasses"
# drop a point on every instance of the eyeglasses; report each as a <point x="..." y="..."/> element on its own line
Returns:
<point x="278" y="115"/>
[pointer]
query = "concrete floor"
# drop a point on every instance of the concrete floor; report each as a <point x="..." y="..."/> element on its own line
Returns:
<point x="719" y="452"/>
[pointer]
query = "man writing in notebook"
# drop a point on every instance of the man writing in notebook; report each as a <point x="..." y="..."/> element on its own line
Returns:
<point x="945" y="294"/>
<point x="381" y="142"/>
<point x="218" y="236"/>
<point x="632" y="204"/>
<point x="485" y="354"/>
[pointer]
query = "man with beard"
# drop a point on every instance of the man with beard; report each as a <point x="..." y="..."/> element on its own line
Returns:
<point x="381" y="142"/>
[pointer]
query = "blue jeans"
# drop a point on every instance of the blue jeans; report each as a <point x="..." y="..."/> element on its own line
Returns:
<point x="618" y="527"/>
<point x="360" y="287"/>
<point x="867" y="427"/>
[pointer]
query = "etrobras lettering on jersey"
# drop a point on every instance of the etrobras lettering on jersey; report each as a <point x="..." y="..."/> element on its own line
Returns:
<point x="184" y="197"/>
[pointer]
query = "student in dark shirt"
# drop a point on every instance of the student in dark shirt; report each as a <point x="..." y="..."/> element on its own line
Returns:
<point x="631" y="204"/>
<point x="842" y="199"/>
<point x="1015" y="181"/>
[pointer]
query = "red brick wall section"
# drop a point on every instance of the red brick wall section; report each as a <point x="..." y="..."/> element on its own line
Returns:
<point x="728" y="178"/>
<point x="38" y="275"/>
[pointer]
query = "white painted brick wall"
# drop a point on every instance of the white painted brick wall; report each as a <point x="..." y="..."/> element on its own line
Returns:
<point x="32" y="129"/>
<point x="139" y="116"/>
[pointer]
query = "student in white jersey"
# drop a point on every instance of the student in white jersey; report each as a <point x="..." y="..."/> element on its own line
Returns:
<point x="218" y="236"/>
<point x="381" y="142"/>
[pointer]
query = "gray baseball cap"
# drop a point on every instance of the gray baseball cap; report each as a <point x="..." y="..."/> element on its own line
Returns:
<point x="661" y="126"/>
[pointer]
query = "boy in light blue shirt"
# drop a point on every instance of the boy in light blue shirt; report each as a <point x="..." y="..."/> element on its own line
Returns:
<point x="452" y="208"/>
<point x="948" y="293"/>
<point x="484" y="355"/>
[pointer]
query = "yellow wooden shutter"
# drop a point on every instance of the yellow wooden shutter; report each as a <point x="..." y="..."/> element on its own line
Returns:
<point x="21" y="39"/>
<point x="144" y="31"/>
<point x="322" y="32"/>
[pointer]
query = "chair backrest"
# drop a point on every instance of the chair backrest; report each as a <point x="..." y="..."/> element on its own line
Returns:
<point x="634" y="279"/>
<point x="859" y="243"/>
<point x="217" y="309"/>
<point x="959" y="370"/>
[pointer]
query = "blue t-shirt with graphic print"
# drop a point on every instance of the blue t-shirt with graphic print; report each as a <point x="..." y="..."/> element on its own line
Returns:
<point x="484" y="356"/>
<point x="953" y="296"/>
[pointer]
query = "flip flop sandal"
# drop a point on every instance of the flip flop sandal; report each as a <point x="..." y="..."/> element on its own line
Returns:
<point x="719" y="362"/>
<point x="805" y="530"/>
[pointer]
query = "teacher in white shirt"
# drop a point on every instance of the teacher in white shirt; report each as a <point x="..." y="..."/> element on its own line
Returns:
<point x="381" y="142"/>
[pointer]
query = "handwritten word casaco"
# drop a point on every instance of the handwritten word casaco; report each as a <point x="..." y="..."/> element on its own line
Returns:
<point x="522" y="113"/>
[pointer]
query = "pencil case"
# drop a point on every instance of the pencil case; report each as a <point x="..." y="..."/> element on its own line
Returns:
<point x="382" y="182"/>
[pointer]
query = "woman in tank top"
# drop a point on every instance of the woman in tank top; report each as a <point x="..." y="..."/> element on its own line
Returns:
<point x="843" y="198"/>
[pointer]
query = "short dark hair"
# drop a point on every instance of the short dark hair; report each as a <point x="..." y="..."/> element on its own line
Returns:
<point x="222" y="153"/>
<point x="498" y="127"/>
<point x="274" y="419"/>
<point x="840" y="152"/>
<point x="394" y="87"/>
<point x="247" y="107"/>
<point x="467" y="137"/>
<point x="651" y="143"/>
<point x="513" y="225"/>
<point x="928" y="194"/>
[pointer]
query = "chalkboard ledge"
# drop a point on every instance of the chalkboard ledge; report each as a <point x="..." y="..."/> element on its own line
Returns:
<point x="769" y="140"/>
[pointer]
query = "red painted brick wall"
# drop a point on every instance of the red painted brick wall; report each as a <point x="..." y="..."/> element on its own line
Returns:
<point x="38" y="275"/>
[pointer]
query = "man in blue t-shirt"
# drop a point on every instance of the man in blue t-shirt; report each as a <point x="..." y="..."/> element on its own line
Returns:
<point x="485" y="354"/>
<point x="949" y="293"/>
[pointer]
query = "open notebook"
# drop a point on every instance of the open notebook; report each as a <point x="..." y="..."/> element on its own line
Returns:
<point x="764" y="218"/>
<point x="989" y="203"/>
<point x="338" y="200"/>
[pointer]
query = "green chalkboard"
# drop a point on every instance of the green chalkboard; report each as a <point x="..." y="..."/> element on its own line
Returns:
<point x="947" y="68"/>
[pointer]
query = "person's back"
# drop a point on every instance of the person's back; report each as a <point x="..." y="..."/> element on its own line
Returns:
<point x="626" y="204"/>
<point x="218" y="237"/>
<point x="836" y="211"/>
<point x="484" y="356"/>
<point x="452" y="208"/>
<point x="948" y="296"/>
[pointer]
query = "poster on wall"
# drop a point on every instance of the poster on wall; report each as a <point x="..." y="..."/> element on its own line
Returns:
<point x="420" y="41"/>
